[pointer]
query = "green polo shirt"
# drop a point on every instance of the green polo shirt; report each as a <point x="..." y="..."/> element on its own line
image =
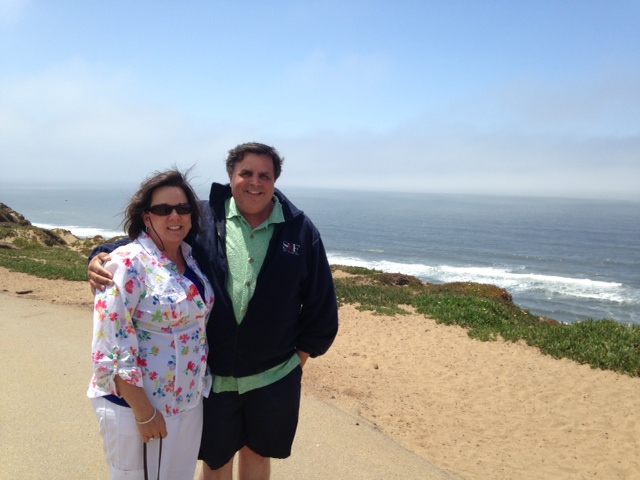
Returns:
<point x="246" y="250"/>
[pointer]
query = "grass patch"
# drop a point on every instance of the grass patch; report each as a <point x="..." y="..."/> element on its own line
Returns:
<point x="43" y="253"/>
<point x="46" y="262"/>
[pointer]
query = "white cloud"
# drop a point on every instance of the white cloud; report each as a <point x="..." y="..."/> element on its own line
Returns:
<point x="79" y="122"/>
<point x="73" y="119"/>
<point x="605" y="102"/>
<point x="453" y="161"/>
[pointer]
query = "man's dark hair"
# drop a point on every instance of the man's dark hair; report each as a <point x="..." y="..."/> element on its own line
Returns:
<point x="141" y="200"/>
<point x="236" y="155"/>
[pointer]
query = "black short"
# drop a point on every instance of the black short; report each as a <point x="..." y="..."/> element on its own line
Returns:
<point x="265" y="420"/>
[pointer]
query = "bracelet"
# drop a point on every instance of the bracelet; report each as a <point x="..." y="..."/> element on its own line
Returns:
<point x="155" y="410"/>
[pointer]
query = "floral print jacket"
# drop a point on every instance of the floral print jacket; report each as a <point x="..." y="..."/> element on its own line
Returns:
<point x="150" y="329"/>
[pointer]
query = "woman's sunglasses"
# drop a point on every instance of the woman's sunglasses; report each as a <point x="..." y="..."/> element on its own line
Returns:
<point x="163" y="210"/>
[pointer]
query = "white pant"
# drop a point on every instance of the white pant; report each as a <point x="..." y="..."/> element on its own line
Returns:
<point x="123" y="443"/>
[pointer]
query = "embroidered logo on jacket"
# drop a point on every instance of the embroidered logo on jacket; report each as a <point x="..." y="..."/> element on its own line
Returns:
<point x="293" y="248"/>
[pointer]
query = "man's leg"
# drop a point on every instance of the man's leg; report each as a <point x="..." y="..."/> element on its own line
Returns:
<point x="223" y="473"/>
<point x="270" y="420"/>
<point x="252" y="466"/>
<point x="222" y="435"/>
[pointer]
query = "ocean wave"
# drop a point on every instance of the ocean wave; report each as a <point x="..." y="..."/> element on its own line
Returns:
<point x="83" y="232"/>
<point x="514" y="282"/>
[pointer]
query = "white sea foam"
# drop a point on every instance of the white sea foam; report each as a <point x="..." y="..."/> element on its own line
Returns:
<point x="83" y="232"/>
<point x="550" y="285"/>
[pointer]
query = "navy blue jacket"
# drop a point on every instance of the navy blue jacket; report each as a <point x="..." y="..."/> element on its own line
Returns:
<point x="294" y="305"/>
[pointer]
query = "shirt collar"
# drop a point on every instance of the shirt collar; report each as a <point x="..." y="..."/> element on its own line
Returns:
<point x="150" y="247"/>
<point x="277" y="215"/>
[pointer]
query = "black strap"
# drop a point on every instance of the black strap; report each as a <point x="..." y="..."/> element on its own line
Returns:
<point x="146" y="472"/>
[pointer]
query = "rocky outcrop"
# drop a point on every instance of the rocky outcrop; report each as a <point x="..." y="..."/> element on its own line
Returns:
<point x="16" y="232"/>
<point x="14" y="227"/>
<point x="9" y="215"/>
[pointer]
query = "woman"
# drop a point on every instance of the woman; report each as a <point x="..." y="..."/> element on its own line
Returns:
<point x="149" y="342"/>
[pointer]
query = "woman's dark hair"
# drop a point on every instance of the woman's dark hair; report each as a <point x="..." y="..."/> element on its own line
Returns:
<point x="236" y="155"/>
<point x="141" y="200"/>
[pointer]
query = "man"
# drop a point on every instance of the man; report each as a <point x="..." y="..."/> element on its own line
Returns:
<point x="275" y="307"/>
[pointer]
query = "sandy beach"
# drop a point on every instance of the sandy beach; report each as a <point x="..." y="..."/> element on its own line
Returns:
<point x="432" y="402"/>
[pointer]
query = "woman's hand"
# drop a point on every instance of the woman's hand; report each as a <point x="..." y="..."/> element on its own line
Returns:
<point x="99" y="278"/>
<point x="150" y="420"/>
<point x="152" y="427"/>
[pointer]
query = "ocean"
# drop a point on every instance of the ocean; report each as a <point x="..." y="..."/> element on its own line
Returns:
<point x="565" y="259"/>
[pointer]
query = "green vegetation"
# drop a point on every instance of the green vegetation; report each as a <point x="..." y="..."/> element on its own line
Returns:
<point x="46" y="262"/>
<point x="488" y="313"/>
<point x="44" y="253"/>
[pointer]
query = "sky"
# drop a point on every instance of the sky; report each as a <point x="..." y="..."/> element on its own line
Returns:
<point x="494" y="97"/>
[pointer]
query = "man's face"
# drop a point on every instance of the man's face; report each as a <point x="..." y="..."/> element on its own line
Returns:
<point x="252" y="185"/>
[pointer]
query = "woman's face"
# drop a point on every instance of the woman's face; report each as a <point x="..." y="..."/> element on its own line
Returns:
<point x="168" y="231"/>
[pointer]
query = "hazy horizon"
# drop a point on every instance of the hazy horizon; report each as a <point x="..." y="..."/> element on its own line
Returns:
<point x="202" y="190"/>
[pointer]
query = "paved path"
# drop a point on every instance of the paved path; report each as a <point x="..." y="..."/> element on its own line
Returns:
<point x="48" y="429"/>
